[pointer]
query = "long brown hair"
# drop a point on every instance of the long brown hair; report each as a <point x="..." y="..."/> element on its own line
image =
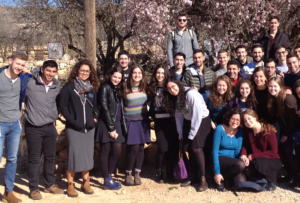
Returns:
<point x="266" y="126"/>
<point x="251" y="99"/>
<point x="257" y="69"/>
<point x="120" y="86"/>
<point x="130" y="83"/>
<point x="215" y="96"/>
<point x="276" y="104"/>
<point x="93" y="75"/>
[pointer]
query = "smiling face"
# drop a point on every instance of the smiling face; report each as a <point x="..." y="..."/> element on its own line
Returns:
<point x="48" y="74"/>
<point x="249" y="121"/>
<point x="274" y="88"/>
<point x="116" y="78"/>
<point x="297" y="52"/>
<point x="198" y="59"/>
<point x="181" y="21"/>
<point x="257" y="54"/>
<point x="223" y="59"/>
<point x="222" y="87"/>
<point x="160" y="75"/>
<point x="17" y="65"/>
<point x="235" y="121"/>
<point x="271" y="68"/>
<point x="245" y="90"/>
<point x="259" y="78"/>
<point x="179" y="61"/>
<point x="241" y="54"/>
<point x="137" y="75"/>
<point x="173" y="88"/>
<point x="293" y="65"/>
<point x="84" y="72"/>
<point x="281" y="54"/>
<point x="124" y="61"/>
<point x="233" y="72"/>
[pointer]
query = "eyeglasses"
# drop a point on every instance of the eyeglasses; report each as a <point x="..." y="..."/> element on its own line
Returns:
<point x="85" y="71"/>
<point x="235" y="120"/>
<point x="182" y="20"/>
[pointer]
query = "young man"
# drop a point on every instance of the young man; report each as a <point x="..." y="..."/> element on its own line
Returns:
<point x="241" y="53"/>
<point x="271" y="39"/>
<point x="12" y="89"/>
<point x="40" y="115"/>
<point x="124" y="60"/>
<point x="198" y="75"/>
<point x="233" y="72"/>
<point x="181" y="40"/>
<point x="179" y="69"/>
<point x="257" y="54"/>
<point x="281" y="54"/>
<point x="294" y="72"/>
<point x="297" y="51"/>
<point x="270" y="65"/>
<point x="221" y="68"/>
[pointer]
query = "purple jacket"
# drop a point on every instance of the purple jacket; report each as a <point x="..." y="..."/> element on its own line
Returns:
<point x="234" y="103"/>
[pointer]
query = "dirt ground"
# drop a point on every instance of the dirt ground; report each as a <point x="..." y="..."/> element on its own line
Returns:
<point x="149" y="191"/>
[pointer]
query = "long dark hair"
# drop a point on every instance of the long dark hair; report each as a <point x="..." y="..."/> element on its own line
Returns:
<point x="93" y="75"/>
<point x="257" y="69"/>
<point x="153" y="82"/>
<point x="251" y="99"/>
<point x="170" y="101"/>
<point x="215" y="96"/>
<point x="276" y="104"/>
<point x="120" y="86"/>
<point x="130" y="84"/>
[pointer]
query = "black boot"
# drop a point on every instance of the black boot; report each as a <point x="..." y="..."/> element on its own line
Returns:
<point x="271" y="186"/>
<point x="170" y="175"/>
<point x="159" y="175"/>
<point x="221" y="187"/>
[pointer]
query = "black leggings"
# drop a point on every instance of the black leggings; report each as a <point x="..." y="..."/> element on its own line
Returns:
<point x="134" y="154"/>
<point x="197" y="156"/>
<point x="109" y="155"/>
<point x="289" y="160"/>
<point x="171" y="156"/>
<point x="232" y="169"/>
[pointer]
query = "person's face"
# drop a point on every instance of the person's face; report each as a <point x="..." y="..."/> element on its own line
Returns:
<point x="223" y="58"/>
<point x="298" y="92"/>
<point x="271" y="68"/>
<point x="260" y="78"/>
<point x="249" y="121"/>
<point x="222" y="87"/>
<point x="173" y="88"/>
<point x="181" y="21"/>
<point x="293" y="65"/>
<point x="274" y="24"/>
<point x="17" y="65"/>
<point x="198" y="59"/>
<point x="245" y="90"/>
<point x="116" y="78"/>
<point x="137" y="75"/>
<point x="48" y="73"/>
<point x="241" y="54"/>
<point x="84" y="72"/>
<point x="281" y="54"/>
<point x="235" y="121"/>
<point x="274" y="88"/>
<point x="297" y="53"/>
<point x="124" y="61"/>
<point x="257" y="54"/>
<point x="233" y="72"/>
<point x="160" y="75"/>
<point x="179" y="61"/>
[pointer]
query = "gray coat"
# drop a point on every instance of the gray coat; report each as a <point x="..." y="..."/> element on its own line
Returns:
<point x="40" y="106"/>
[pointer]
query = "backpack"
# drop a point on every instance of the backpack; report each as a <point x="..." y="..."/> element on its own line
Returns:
<point x="253" y="184"/>
<point x="190" y="31"/>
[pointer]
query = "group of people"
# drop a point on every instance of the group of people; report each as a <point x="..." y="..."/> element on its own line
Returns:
<point x="240" y="116"/>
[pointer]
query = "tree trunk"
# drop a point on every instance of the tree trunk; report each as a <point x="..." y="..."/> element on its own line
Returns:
<point x="90" y="31"/>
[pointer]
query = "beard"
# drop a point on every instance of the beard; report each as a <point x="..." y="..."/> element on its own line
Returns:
<point x="256" y="61"/>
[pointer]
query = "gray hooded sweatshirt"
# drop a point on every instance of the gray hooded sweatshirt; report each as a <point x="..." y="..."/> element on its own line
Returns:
<point x="40" y="106"/>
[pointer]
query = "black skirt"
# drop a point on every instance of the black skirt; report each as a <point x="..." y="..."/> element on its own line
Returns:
<point x="166" y="134"/>
<point x="200" y="138"/>
<point x="102" y="135"/>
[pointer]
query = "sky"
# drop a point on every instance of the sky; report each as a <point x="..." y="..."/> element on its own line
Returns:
<point x="8" y="2"/>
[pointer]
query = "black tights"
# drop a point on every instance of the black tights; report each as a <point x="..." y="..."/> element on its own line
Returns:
<point x="197" y="155"/>
<point x="109" y="155"/>
<point x="170" y="156"/>
<point x="232" y="168"/>
<point x="290" y="161"/>
<point x="134" y="154"/>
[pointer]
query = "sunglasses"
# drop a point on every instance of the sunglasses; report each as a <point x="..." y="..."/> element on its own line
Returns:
<point x="182" y="20"/>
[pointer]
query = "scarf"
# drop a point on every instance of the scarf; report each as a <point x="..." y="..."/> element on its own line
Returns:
<point x="83" y="86"/>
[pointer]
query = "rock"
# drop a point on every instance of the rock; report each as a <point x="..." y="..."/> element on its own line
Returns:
<point x="62" y="66"/>
<point x="60" y="167"/>
<point x="63" y="153"/>
<point x="61" y="142"/>
<point x="150" y="155"/>
<point x="153" y="135"/>
<point x="38" y="63"/>
<point x="1" y="60"/>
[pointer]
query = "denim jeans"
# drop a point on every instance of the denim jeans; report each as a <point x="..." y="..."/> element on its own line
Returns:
<point x="10" y="136"/>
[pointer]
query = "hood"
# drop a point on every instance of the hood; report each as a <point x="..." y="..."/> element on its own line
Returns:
<point x="192" y="69"/>
<point x="35" y="72"/>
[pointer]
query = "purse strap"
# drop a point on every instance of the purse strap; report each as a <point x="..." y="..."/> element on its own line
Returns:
<point x="181" y="151"/>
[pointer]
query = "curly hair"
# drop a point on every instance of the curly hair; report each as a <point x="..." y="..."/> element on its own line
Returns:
<point x="170" y="101"/>
<point x="93" y="75"/>
<point x="266" y="126"/>
<point x="251" y="99"/>
<point x="120" y="86"/>
<point x="130" y="83"/>
<point x="229" y="114"/>
<point x="216" y="98"/>
<point x="153" y="81"/>
<point x="276" y="104"/>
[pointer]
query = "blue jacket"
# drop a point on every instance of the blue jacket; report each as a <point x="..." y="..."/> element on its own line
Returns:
<point x="24" y="80"/>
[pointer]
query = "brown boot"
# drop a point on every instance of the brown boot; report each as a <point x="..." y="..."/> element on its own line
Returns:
<point x="54" y="189"/>
<point x="71" y="191"/>
<point x="35" y="195"/>
<point x="9" y="197"/>
<point x="137" y="178"/>
<point x="203" y="184"/>
<point x="129" y="179"/>
<point x="86" y="188"/>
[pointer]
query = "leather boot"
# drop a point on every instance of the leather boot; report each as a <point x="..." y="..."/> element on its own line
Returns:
<point x="71" y="191"/>
<point x="137" y="178"/>
<point x="109" y="183"/>
<point x="160" y="175"/>
<point x="86" y="188"/>
<point x="129" y="179"/>
<point x="35" y="195"/>
<point x="203" y="184"/>
<point x="9" y="197"/>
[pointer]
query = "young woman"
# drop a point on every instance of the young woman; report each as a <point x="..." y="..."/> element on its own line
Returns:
<point x="192" y="121"/>
<point x="78" y="104"/>
<point x="216" y="99"/>
<point x="137" y="122"/>
<point x="297" y="91"/>
<point x="110" y="133"/>
<point x="260" y="150"/>
<point x="166" y="134"/>
<point x="244" y="96"/>
<point x="284" y="107"/>
<point x="227" y="144"/>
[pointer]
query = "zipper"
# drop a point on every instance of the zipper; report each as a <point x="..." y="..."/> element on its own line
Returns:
<point x="84" y="114"/>
<point x="114" y="119"/>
